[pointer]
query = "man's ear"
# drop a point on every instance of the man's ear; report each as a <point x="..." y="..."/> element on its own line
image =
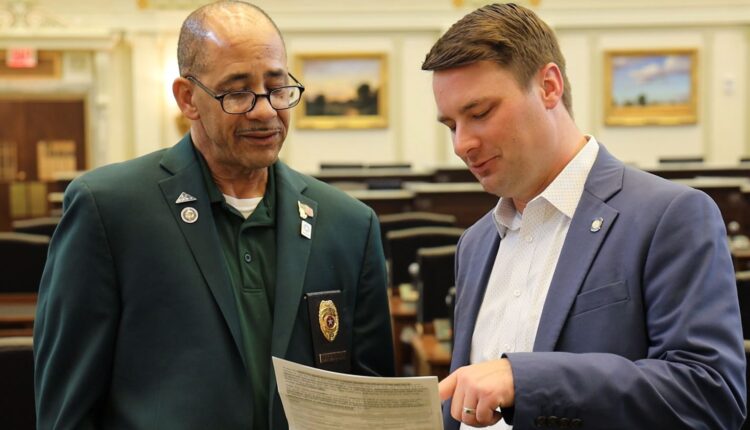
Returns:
<point x="182" y="90"/>
<point x="552" y="85"/>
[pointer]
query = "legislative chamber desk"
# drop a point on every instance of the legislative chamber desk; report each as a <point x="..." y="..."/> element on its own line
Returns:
<point x="374" y="178"/>
<point x="403" y="318"/>
<point x="694" y="170"/>
<point x="731" y="196"/>
<point x="17" y="313"/>
<point x="431" y="357"/>
<point x="466" y="201"/>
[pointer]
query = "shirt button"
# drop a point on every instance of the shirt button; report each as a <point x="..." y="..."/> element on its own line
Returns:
<point x="517" y="293"/>
<point x="529" y="238"/>
<point x="507" y="347"/>
<point x="247" y="257"/>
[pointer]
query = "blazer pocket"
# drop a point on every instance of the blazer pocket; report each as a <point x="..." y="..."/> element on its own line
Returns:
<point x="602" y="296"/>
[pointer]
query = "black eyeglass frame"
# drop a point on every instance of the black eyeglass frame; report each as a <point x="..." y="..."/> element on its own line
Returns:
<point x="220" y="97"/>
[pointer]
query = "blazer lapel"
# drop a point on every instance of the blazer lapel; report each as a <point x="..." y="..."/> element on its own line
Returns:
<point x="293" y="250"/>
<point x="470" y="299"/>
<point x="200" y="235"/>
<point x="584" y="238"/>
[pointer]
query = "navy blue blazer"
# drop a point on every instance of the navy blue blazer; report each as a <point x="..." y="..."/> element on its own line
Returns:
<point x="641" y="326"/>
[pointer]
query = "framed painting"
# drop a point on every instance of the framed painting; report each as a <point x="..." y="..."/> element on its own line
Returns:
<point x="342" y="90"/>
<point x="650" y="87"/>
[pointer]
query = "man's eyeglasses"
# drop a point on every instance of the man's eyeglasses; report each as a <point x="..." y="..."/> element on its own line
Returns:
<point x="239" y="102"/>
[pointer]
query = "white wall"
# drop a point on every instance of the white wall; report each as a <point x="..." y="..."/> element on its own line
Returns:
<point x="132" y="64"/>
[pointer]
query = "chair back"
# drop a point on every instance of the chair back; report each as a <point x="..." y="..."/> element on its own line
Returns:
<point x="405" y="243"/>
<point x="404" y="220"/>
<point x="23" y="257"/>
<point x="436" y="277"/>
<point x="17" y="387"/>
<point x="43" y="225"/>
<point x="743" y="296"/>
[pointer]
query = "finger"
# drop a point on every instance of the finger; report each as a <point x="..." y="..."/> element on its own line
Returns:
<point x="458" y="401"/>
<point x="447" y="386"/>
<point x="469" y="407"/>
<point x="487" y="413"/>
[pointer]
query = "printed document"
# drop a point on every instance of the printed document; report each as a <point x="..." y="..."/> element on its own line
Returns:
<point x="316" y="399"/>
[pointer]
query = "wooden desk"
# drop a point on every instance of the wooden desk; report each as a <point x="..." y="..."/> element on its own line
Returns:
<point x="431" y="357"/>
<point x="693" y="170"/>
<point x="374" y="176"/>
<point x="385" y="201"/>
<point x="741" y="261"/>
<point x="730" y="196"/>
<point x="403" y="317"/>
<point x="17" y="312"/>
<point x="453" y="174"/>
<point x="466" y="200"/>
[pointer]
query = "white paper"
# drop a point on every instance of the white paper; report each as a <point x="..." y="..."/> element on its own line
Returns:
<point x="317" y="399"/>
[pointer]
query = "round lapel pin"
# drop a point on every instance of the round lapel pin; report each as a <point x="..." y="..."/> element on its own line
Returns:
<point x="189" y="215"/>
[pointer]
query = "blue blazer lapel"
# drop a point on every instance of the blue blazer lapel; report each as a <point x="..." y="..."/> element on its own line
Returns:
<point x="580" y="247"/>
<point x="469" y="299"/>
<point x="201" y="236"/>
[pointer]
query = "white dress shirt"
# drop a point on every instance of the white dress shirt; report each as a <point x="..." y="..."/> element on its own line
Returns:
<point x="525" y="262"/>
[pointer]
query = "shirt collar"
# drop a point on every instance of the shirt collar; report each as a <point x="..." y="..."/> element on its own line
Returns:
<point x="563" y="193"/>
<point x="266" y="208"/>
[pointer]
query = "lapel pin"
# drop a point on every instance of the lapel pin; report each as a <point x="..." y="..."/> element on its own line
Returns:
<point x="305" y="211"/>
<point x="596" y="224"/>
<point x="184" y="198"/>
<point x="189" y="215"/>
<point x="306" y="229"/>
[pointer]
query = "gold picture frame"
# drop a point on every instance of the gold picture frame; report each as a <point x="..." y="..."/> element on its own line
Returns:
<point x="650" y="87"/>
<point x="342" y="90"/>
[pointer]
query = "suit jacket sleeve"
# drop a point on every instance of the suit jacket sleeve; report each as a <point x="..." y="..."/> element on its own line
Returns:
<point x="692" y="375"/>
<point x="372" y="350"/>
<point x="77" y="317"/>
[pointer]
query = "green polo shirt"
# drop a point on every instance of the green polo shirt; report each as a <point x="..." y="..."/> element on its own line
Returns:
<point x="249" y="247"/>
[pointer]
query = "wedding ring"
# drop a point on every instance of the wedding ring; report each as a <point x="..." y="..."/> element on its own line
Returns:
<point x="469" y="411"/>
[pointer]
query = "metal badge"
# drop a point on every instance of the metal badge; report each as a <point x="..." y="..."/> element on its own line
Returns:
<point x="328" y="318"/>
<point x="596" y="224"/>
<point x="189" y="215"/>
<point x="306" y="229"/>
<point x="305" y="211"/>
<point x="184" y="198"/>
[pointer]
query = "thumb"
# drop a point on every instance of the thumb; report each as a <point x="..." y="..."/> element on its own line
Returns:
<point x="447" y="386"/>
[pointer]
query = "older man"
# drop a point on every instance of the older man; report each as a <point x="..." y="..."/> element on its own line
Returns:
<point x="173" y="278"/>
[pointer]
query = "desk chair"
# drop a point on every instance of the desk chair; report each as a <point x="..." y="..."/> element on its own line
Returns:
<point x="404" y="220"/>
<point x="404" y="244"/>
<point x="23" y="256"/>
<point x="17" y="387"/>
<point x="743" y="295"/>
<point x="434" y="279"/>
<point x="44" y="225"/>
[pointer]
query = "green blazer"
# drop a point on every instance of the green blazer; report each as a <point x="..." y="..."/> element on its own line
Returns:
<point x="136" y="324"/>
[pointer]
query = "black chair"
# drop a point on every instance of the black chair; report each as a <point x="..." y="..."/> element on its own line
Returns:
<point x="405" y="243"/>
<point x="404" y="220"/>
<point x="743" y="296"/>
<point x="44" y="225"/>
<point x="434" y="280"/>
<point x="23" y="256"/>
<point x="17" y="387"/>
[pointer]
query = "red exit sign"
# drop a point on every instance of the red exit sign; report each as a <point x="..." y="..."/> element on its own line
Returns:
<point x="21" y="58"/>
